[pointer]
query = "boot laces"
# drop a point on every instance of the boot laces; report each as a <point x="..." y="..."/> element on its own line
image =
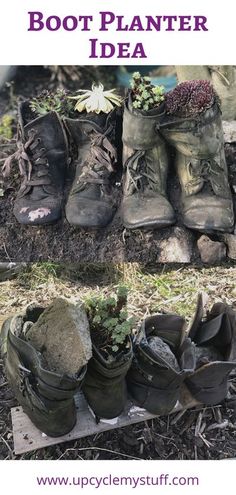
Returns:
<point x="204" y="171"/>
<point x="100" y="161"/>
<point x="140" y="173"/>
<point x="33" y="165"/>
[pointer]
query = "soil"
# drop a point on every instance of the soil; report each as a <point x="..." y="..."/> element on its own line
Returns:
<point x="62" y="242"/>
<point x="199" y="433"/>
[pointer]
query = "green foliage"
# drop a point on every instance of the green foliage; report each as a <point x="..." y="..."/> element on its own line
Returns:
<point x="109" y="320"/>
<point x="49" y="101"/>
<point x="6" y="126"/>
<point x="145" y="95"/>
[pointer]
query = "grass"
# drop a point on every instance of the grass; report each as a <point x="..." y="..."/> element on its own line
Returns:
<point x="151" y="289"/>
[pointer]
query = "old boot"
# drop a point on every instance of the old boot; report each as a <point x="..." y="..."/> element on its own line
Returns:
<point x="42" y="156"/>
<point x="200" y="158"/>
<point x="145" y="165"/>
<point x="47" y="397"/>
<point x="105" y="386"/>
<point x="162" y="359"/>
<point x="214" y="337"/>
<point x="91" y="199"/>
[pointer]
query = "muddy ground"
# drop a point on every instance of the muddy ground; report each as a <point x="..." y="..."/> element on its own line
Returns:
<point x="62" y="242"/>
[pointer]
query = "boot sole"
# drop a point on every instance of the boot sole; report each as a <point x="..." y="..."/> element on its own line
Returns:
<point x="149" y="225"/>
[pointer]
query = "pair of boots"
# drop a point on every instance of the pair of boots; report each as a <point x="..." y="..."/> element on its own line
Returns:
<point x="165" y="357"/>
<point x="198" y="142"/>
<point x="44" y="153"/>
<point x="47" y="397"/>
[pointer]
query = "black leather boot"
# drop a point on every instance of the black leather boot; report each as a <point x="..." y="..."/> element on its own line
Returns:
<point x="42" y="156"/>
<point x="46" y="397"/>
<point x="91" y="200"/>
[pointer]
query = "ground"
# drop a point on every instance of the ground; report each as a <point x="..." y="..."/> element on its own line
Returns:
<point x="200" y="433"/>
<point x="62" y="242"/>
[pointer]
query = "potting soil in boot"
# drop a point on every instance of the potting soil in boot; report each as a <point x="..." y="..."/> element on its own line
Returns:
<point x="193" y="126"/>
<point x="163" y="357"/>
<point x="42" y="156"/>
<point x="62" y="335"/>
<point x="214" y="337"/>
<point x="91" y="202"/>
<point x="145" y="164"/>
<point x="47" y="397"/>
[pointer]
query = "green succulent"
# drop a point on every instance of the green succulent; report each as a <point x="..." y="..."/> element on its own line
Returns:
<point x="109" y="319"/>
<point x="145" y="95"/>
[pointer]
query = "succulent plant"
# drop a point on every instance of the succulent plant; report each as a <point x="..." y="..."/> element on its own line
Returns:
<point x="145" y="95"/>
<point x="49" y="101"/>
<point x="190" y="98"/>
<point x="108" y="318"/>
<point x="96" y="100"/>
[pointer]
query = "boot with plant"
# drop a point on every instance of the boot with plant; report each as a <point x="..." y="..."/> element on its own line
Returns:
<point x="193" y="126"/>
<point x="42" y="156"/>
<point x="104" y="386"/>
<point x="91" y="200"/>
<point x="145" y="159"/>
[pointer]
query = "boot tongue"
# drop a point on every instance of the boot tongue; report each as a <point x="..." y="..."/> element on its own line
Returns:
<point x="98" y="119"/>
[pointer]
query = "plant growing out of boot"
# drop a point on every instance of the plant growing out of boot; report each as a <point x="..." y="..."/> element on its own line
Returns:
<point x="52" y="101"/>
<point x="105" y="386"/>
<point x="145" y="95"/>
<point x="96" y="100"/>
<point x="91" y="202"/>
<point x="193" y="126"/>
<point x="42" y="156"/>
<point x="145" y="159"/>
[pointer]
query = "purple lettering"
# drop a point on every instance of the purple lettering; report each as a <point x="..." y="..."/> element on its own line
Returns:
<point x="35" y="21"/>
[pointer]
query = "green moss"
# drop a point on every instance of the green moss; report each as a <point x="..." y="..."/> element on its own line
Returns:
<point x="6" y="126"/>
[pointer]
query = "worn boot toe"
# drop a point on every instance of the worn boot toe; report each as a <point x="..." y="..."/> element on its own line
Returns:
<point x="29" y="212"/>
<point x="88" y="213"/>
<point x="142" y="211"/>
<point x="208" y="213"/>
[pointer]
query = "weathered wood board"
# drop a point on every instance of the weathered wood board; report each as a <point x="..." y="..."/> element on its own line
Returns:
<point x="27" y="437"/>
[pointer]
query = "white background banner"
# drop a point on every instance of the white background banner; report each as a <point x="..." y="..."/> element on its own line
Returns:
<point x="118" y="477"/>
<point x="71" y="44"/>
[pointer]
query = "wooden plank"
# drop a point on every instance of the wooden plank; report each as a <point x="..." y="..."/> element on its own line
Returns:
<point x="27" y="437"/>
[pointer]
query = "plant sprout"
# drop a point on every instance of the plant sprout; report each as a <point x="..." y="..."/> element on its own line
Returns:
<point x="145" y="95"/>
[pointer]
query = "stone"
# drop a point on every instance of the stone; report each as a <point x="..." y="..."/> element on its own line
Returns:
<point x="211" y="252"/>
<point x="164" y="351"/>
<point x="62" y="335"/>
<point x="229" y="129"/>
<point x="230" y="241"/>
<point x="177" y="248"/>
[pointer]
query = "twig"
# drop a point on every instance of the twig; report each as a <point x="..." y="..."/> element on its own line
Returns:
<point x="8" y="447"/>
<point x="110" y="451"/>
